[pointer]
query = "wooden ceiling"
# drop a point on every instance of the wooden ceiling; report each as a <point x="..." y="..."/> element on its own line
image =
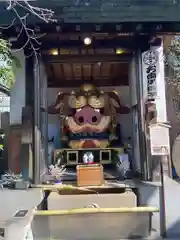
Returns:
<point x="75" y="63"/>
<point x="74" y="74"/>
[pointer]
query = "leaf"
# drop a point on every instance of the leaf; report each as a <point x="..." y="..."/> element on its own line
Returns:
<point x="8" y="65"/>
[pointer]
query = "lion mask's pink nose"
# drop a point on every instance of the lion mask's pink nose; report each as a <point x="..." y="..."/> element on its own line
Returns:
<point x="87" y="115"/>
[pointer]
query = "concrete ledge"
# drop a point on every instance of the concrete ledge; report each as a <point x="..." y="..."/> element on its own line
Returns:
<point x="13" y="226"/>
<point x="17" y="228"/>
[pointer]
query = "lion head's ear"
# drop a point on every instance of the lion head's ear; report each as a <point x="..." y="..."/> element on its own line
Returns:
<point x="55" y="108"/>
<point x="114" y="99"/>
<point x="116" y="103"/>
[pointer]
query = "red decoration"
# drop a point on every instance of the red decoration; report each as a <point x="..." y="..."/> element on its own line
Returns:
<point x="89" y="144"/>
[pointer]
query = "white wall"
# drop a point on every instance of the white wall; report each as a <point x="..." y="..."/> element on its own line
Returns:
<point x="17" y="100"/>
<point x="125" y="120"/>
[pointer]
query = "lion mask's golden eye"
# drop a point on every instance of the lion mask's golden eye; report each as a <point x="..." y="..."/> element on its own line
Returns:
<point x="76" y="101"/>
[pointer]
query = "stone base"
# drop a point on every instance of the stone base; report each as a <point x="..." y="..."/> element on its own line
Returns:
<point x="102" y="226"/>
<point x="59" y="202"/>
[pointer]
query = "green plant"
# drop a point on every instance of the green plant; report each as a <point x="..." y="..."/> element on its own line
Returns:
<point x="8" y="65"/>
<point x="173" y="73"/>
<point x="1" y="141"/>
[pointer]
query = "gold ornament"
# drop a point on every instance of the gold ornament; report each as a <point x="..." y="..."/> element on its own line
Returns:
<point x="87" y="87"/>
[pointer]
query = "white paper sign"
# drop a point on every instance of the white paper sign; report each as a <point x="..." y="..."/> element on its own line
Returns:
<point x="159" y="140"/>
<point x="150" y="68"/>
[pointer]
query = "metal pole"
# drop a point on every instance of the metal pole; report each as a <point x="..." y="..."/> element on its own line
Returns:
<point x="162" y="198"/>
<point x="145" y="175"/>
<point x="36" y="130"/>
<point x="44" y="116"/>
<point x="45" y="98"/>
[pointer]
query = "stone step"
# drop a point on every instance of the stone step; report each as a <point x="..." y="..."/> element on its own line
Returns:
<point x="88" y="224"/>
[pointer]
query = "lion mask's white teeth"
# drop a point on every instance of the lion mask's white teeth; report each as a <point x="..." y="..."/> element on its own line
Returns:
<point x="78" y="110"/>
<point x="97" y="110"/>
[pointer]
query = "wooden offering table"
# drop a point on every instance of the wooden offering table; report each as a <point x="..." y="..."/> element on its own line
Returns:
<point x="90" y="175"/>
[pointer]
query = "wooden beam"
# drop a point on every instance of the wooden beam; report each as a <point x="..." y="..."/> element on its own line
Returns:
<point x="46" y="44"/>
<point x="57" y="83"/>
<point x="103" y="43"/>
<point x="87" y="58"/>
<point x="126" y="28"/>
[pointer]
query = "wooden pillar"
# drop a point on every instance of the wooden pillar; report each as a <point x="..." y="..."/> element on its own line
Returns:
<point x="29" y="82"/>
<point x="145" y="170"/>
<point x="37" y="125"/>
<point x="26" y="152"/>
<point x="32" y="148"/>
<point x="44" y="115"/>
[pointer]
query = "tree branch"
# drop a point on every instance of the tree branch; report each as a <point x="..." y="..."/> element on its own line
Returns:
<point x="43" y="14"/>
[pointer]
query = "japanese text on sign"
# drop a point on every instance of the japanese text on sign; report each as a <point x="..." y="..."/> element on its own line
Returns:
<point x="150" y="61"/>
<point x="151" y="80"/>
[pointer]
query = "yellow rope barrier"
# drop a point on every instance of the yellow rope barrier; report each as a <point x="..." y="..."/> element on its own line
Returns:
<point x="68" y="187"/>
<point x="96" y="210"/>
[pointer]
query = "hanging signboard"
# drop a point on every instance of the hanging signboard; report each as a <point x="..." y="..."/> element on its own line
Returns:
<point x="159" y="140"/>
<point x="150" y="70"/>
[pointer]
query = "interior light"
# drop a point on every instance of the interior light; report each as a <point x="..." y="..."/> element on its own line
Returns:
<point x="120" y="51"/>
<point x="54" y="52"/>
<point x="87" y="41"/>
